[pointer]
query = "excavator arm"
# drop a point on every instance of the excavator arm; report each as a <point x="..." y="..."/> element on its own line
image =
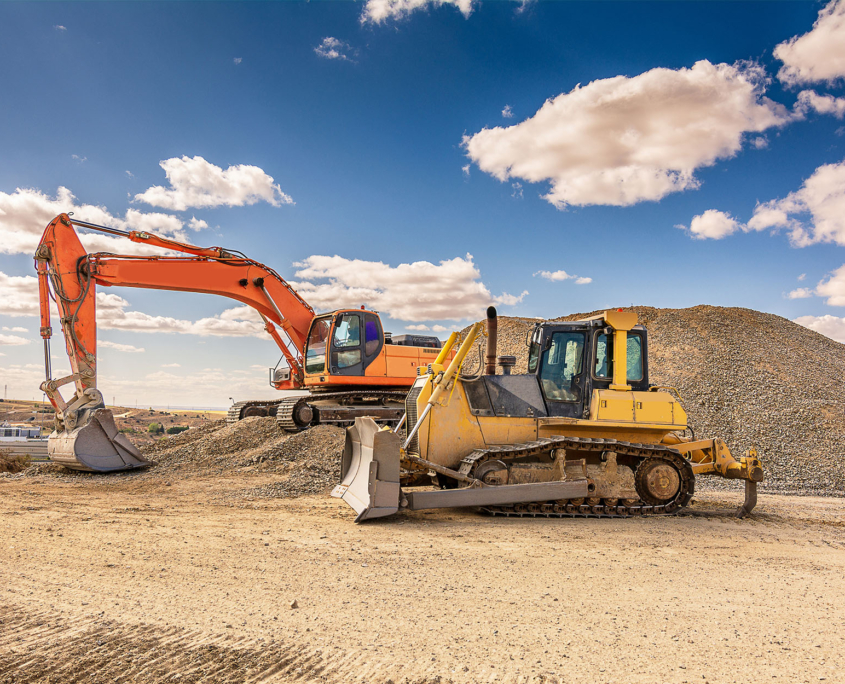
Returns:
<point x="86" y="437"/>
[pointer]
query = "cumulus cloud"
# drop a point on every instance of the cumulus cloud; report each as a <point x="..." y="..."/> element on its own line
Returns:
<point x="713" y="225"/>
<point x="810" y="100"/>
<point x="238" y="60"/>
<point x="241" y="321"/>
<point x="25" y="213"/>
<point x="830" y="326"/>
<point x="420" y="291"/>
<point x="171" y="365"/>
<point x="507" y="112"/>
<point x="621" y="140"/>
<point x="419" y="328"/>
<point x="17" y="329"/>
<point x="59" y="27"/>
<point x="332" y="48"/>
<point x="465" y="168"/>
<point x="19" y="297"/>
<point x="558" y="276"/>
<point x="378" y="11"/>
<point x="818" y="55"/>
<point x="120" y="347"/>
<point x="800" y="293"/>
<point x="194" y="182"/>
<point x="814" y="213"/>
<point x="13" y="340"/>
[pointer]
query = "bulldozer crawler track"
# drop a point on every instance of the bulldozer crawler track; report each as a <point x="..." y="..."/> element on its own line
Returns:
<point x="236" y="410"/>
<point x="557" y="509"/>
<point x="288" y="406"/>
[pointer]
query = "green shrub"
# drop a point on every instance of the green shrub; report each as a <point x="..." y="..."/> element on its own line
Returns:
<point x="176" y="429"/>
<point x="155" y="428"/>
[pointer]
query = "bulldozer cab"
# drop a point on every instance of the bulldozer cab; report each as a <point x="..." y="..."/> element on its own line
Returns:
<point x="570" y="360"/>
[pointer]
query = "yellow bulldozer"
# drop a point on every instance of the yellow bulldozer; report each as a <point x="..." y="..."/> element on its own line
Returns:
<point x="582" y="433"/>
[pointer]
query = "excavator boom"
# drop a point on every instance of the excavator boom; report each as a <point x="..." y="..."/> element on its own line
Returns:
<point x="86" y="437"/>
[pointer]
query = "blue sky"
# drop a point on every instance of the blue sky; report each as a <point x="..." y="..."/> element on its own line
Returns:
<point x="408" y="131"/>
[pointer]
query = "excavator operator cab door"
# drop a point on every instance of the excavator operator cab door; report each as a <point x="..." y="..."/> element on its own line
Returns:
<point x="558" y="357"/>
<point x="356" y="341"/>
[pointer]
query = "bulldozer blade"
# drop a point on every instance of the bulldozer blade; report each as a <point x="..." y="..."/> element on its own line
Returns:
<point x="369" y="471"/>
<point x="96" y="446"/>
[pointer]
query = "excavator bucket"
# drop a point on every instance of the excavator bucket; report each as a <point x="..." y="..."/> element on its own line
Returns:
<point x="370" y="470"/>
<point x="95" y="446"/>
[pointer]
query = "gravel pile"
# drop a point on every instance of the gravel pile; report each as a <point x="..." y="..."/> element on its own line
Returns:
<point x="751" y="378"/>
<point x="309" y="461"/>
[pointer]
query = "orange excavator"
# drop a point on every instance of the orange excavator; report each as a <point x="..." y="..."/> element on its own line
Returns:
<point x="346" y="361"/>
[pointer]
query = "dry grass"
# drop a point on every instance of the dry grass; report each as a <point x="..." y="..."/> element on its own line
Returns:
<point x="12" y="463"/>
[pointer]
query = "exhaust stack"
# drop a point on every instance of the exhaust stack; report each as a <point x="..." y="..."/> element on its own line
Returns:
<point x="492" y="341"/>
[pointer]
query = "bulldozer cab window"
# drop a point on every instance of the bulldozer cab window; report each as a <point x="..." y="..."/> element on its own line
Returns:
<point x="604" y="357"/>
<point x="315" y="352"/>
<point x="562" y="364"/>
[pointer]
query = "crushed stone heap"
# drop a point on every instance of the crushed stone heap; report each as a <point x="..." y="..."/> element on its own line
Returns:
<point x="751" y="378"/>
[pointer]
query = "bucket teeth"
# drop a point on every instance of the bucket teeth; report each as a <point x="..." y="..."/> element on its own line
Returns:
<point x="95" y="446"/>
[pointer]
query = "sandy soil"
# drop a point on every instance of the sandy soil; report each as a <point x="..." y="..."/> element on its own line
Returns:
<point x="150" y="582"/>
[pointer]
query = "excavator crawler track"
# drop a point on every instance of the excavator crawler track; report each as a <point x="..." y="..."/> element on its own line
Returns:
<point x="291" y="407"/>
<point x="643" y="453"/>
<point x="267" y="407"/>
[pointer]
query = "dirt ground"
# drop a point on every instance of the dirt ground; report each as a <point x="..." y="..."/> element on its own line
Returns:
<point x="139" y="581"/>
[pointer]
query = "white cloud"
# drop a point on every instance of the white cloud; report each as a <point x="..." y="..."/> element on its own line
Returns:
<point x="194" y="182"/>
<point x="241" y="321"/>
<point x="19" y="297"/>
<point x="378" y="11"/>
<point x="833" y="287"/>
<point x="558" y="276"/>
<point x="801" y="293"/>
<point x="810" y="100"/>
<point x="517" y="190"/>
<point x="712" y="224"/>
<point x="420" y="291"/>
<point x="465" y="169"/>
<point x="13" y="340"/>
<point x="16" y="329"/>
<point x="25" y="213"/>
<point x="619" y="141"/>
<point x="802" y="276"/>
<point x="814" y="213"/>
<point x="505" y="299"/>
<point x="171" y="365"/>
<point x="442" y="328"/>
<point x="196" y="224"/>
<point x="130" y="174"/>
<point x="120" y="347"/>
<point x="420" y="328"/>
<point x="332" y="48"/>
<point x="59" y="27"/>
<point x="507" y="112"/>
<point x="79" y="159"/>
<point x="830" y="326"/>
<point x="761" y="142"/>
<point x="818" y="55"/>
<point x="238" y="60"/>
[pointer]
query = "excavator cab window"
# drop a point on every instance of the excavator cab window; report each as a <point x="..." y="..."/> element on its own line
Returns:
<point x="562" y="364"/>
<point x="346" y="341"/>
<point x="315" y="352"/>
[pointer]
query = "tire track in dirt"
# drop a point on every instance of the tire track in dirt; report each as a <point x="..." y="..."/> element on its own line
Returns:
<point x="40" y="647"/>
